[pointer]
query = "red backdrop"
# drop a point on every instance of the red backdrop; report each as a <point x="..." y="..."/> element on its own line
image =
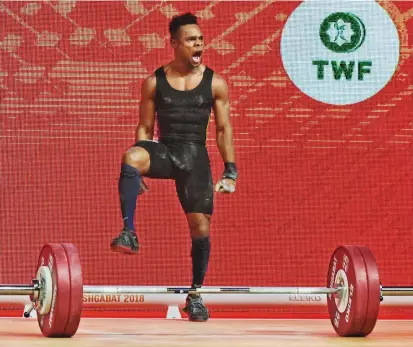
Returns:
<point x="70" y="75"/>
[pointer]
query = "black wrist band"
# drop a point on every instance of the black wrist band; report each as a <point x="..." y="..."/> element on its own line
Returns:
<point x="230" y="171"/>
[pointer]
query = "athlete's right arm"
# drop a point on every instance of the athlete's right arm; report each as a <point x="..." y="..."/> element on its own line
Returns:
<point x="145" y="128"/>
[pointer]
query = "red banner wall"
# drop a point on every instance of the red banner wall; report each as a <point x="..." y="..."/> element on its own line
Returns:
<point x="312" y="175"/>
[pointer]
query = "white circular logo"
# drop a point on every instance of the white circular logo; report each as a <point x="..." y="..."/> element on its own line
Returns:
<point x="340" y="52"/>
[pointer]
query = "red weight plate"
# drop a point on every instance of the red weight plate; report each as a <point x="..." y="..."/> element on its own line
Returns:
<point x="54" y="323"/>
<point x="347" y="268"/>
<point x="76" y="284"/>
<point x="373" y="280"/>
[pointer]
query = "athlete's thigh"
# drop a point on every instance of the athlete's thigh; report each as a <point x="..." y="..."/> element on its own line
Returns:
<point x="160" y="165"/>
<point x="195" y="188"/>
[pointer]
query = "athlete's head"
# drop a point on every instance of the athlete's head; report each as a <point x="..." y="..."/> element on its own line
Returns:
<point x="186" y="39"/>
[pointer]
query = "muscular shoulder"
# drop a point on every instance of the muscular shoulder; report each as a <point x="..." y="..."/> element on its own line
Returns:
<point x="219" y="86"/>
<point x="149" y="82"/>
<point x="148" y="86"/>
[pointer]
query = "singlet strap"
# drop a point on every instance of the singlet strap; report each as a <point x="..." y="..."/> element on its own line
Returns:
<point x="208" y="74"/>
<point x="160" y="72"/>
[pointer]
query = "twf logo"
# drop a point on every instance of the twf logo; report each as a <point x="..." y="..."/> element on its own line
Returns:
<point x="342" y="33"/>
<point x="340" y="52"/>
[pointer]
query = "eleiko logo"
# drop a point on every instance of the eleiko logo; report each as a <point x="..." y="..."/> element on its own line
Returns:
<point x="340" y="52"/>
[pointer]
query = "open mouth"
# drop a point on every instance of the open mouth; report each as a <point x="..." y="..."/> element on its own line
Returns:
<point x="196" y="57"/>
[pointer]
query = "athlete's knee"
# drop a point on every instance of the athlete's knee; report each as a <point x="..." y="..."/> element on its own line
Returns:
<point x="137" y="157"/>
<point x="199" y="225"/>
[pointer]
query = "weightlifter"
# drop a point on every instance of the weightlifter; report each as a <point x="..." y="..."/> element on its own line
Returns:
<point x="182" y="94"/>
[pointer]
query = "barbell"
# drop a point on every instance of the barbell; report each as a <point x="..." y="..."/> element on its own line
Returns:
<point x="353" y="290"/>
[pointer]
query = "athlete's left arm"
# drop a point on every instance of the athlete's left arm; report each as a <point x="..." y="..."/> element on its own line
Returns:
<point x="225" y="142"/>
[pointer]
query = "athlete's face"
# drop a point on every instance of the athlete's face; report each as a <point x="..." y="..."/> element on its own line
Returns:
<point x="189" y="44"/>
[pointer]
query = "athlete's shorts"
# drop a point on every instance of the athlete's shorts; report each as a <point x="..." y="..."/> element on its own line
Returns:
<point x="189" y="166"/>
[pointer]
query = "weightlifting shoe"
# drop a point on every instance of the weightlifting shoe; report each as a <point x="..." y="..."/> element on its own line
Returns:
<point x="195" y="308"/>
<point x="126" y="242"/>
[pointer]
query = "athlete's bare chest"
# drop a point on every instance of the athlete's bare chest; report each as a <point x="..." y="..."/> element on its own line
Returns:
<point x="185" y="83"/>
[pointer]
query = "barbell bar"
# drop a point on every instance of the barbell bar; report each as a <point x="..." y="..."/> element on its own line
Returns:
<point x="21" y="289"/>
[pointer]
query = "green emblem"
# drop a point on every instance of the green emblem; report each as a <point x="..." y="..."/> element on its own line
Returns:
<point x="342" y="32"/>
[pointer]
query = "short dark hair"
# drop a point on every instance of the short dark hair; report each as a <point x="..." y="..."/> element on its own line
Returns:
<point x="178" y="21"/>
